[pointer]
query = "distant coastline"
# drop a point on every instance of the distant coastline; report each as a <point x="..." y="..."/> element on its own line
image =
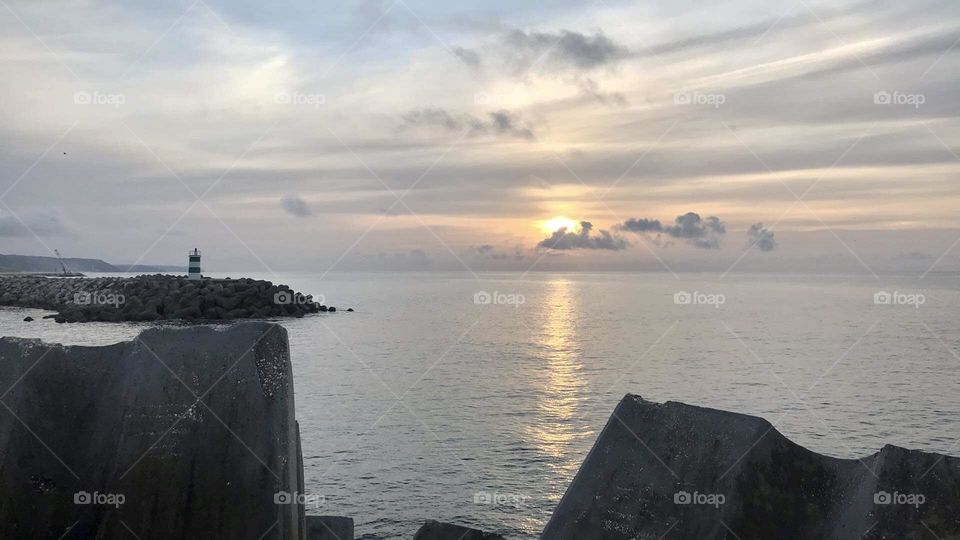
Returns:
<point x="30" y="263"/>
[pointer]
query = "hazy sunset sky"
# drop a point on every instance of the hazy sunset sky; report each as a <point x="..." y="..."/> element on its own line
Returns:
<point x="412" y="134"/>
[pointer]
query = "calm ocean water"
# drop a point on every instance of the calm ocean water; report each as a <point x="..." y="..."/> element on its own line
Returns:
<point x="425" y="404"/>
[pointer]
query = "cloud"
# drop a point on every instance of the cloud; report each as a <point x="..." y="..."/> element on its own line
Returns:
<point x="564" y="50"/>
<point x="562" y="239"/>
<point x="497" y="123"/>
<point x="761" y="237"/>
<point x="642" y="225"/>
<point x="415" y="258"/>
<point x="701" y="233"/>
<point x="295" y="206"/>
<point x="488" y="251"/>
<point x="778" y="102"/>
<point x="40" y="222"/>
<point x="591" y="89"/>
<point x="469" y="57"/>
<point x="419" y="257"/>
<point x="915" y="256"/>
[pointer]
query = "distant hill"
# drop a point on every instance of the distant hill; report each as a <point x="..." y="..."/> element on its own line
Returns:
<point x="29" y="263"/>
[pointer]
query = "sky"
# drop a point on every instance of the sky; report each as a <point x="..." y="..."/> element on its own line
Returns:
<point x="733" y="136"/>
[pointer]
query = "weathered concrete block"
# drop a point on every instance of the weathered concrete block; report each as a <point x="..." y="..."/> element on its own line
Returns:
<point x="180" y="434"/>
<point x="694" y="472"/>
<point x="434" y="530"/>
<point x="329" y="528"/>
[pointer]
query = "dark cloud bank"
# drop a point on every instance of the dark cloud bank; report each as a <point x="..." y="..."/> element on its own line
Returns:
<point x="700" y="233"/>
<point x="562" y="239"/>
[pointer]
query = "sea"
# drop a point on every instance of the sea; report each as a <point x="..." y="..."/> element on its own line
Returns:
<point x="473" y="399"/>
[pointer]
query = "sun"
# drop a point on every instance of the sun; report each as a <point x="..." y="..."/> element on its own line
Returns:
<point x="554" y="224"/>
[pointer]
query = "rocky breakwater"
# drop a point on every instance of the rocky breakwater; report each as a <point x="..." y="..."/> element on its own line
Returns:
<point x="155" y="297"/>
<point x="181" y="433"/>
<point x="677" y="471"/>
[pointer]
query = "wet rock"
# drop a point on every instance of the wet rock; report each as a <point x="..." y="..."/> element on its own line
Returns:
<point x="694" y="472"/>
<point x="28" y="319"/>
<point x="329" y="528"/>
<point x="227" y="302"/>
<point x="435" y="530"/>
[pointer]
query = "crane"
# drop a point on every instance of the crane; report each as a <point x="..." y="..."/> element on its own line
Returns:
<point x="62" y="264"/>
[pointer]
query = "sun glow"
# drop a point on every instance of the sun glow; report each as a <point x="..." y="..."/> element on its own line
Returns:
<point x="557" y="223"/>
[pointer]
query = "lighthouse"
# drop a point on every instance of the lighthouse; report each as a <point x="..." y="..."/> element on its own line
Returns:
<point x="193" y="269"/>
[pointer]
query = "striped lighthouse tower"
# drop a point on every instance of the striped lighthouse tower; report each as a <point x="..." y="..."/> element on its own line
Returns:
<point x="193" y="270"/>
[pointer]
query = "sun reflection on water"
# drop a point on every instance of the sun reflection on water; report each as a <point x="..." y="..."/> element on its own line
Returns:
<point x="563" y="384"/>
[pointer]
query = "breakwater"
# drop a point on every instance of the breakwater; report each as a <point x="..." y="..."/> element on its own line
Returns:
<point x="155" y="297"/>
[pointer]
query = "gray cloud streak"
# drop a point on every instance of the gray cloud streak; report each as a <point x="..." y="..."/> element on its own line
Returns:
<point x="498" y="123"/>
<point x="565" y="49"/>
<point x="41" y="222"/>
